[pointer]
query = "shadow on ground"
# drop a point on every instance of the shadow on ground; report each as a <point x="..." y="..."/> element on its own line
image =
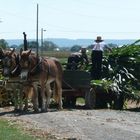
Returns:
<point x="137" y="109"/>
<point x="9" y="111"/>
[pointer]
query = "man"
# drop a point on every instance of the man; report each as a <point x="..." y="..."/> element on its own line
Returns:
<point x="78" y="59"/>
<point x="96" y="57"/>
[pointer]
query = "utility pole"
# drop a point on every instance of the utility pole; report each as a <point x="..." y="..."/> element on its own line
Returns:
<point x="42" y="38"/>
<point x="37" y="32"/>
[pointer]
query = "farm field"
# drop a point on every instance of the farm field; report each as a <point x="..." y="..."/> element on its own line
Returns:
<point x="68" y="72"/>
<point x="98" y="124"/>
<point x="80" y="124"/>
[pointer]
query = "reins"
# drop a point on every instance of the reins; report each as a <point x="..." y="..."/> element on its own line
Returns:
<point x="48" y="68"/>
<point x="12" y="68"/>
<point x="38" y="63"/>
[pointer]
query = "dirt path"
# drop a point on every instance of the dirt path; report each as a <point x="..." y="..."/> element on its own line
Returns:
<point x="86" y="124"/>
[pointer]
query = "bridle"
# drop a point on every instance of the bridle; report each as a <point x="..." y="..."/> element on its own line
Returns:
<point x="9" y="63"/>
<point x="26" y="64"/>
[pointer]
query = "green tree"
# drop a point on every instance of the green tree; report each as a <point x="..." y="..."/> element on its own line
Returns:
<point x="111" y="45"/>
<point x="75" y="48"/>
<point x="49" y="46"/>
<point x="3" y="44"/>
<point x="30" y="45"/>
<point x="14" y="46"/>
<point x="90" y="46"/>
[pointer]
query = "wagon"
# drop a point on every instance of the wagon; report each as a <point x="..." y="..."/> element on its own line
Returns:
<point x="76" y="83"/>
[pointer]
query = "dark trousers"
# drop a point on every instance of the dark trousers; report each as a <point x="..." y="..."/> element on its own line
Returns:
<point x="96" y="69"/>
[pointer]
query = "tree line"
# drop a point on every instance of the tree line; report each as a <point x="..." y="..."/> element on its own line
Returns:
<point x="47" y="46"/>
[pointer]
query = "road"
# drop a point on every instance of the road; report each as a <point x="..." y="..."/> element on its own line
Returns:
<point x="81" y="124"/>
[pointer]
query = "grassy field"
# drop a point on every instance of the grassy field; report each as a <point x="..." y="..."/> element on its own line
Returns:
<point x="62" y="56"/>
<point x="10" y="131"/>
<point x="58" y="54"/>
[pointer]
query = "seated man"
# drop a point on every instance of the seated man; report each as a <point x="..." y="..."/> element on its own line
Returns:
<point x="77" y="60"/>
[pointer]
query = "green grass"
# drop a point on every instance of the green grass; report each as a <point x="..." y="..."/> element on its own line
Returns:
<point x="62" y="56"/>
<point x="57" y="54"/>
<point x="12" y="132"/>
<point x="80" y="101"/>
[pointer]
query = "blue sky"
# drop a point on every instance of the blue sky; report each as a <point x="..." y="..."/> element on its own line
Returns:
<point x="73" y="19"/>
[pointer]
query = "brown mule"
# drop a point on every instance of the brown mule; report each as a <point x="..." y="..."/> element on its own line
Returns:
<point x="43" y="71"/>
<point x="11" y="71"/>
<point x="9" y="64"/>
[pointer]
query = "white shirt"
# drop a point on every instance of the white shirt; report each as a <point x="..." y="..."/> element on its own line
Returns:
<point x="99" y="46"/>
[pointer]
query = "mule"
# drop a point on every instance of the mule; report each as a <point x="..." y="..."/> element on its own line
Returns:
<point x="43" y="71"/>
<point x="1" y="53"/>
<point x="9" y="63"/>
<point x="11" y="70"/>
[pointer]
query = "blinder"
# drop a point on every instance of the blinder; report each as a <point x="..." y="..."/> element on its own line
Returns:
<point x="28" y="66"/>
<point x="8" y="65"/>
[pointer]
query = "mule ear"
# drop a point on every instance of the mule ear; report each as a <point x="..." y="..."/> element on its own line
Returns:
<point x="29" y="52"/>
<point x="1" y="51"/>
<point x="12" y="51"/>
<point x="21" y="50"/>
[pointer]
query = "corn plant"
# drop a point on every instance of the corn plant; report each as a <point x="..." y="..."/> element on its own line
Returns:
<point x="122" y="68"/>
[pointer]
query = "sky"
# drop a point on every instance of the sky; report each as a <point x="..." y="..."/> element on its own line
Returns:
<point x="73" y="19"/>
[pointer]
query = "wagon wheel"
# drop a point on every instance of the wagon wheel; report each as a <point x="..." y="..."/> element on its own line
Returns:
<point x="91" y="99"/>
<point x="69" y="101"/>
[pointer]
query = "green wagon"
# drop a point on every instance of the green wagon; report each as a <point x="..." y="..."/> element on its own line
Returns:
<point x="76" y="83"/>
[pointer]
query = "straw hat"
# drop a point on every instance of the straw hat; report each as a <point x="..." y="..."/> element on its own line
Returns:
<point x="99" y="39"/>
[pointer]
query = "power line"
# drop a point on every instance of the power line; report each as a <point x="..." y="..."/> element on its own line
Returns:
<point x="18" y="15"/>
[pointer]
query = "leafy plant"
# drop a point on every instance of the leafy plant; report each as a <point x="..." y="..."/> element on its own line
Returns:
<point x="121" y="74"/>
<point x="123" y="69"/>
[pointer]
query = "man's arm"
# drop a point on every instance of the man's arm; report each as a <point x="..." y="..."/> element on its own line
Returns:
<point x="106" y="46"/>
